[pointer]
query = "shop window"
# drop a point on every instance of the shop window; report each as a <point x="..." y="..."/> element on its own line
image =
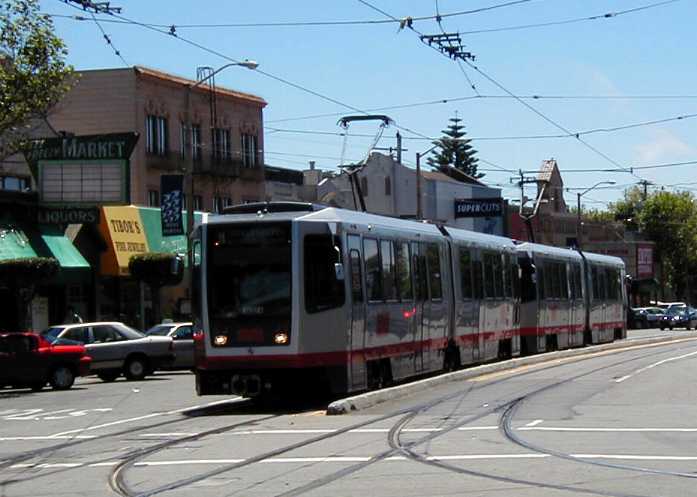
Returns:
<point x="322" y="289"/>
<point x="156" y="135"/>
<point x="221" y="144"/>
<point x="198" y="202"/>
<point x="249" y="150"/>
<point x="14" y="183"/>
<point x="153" y="198"/>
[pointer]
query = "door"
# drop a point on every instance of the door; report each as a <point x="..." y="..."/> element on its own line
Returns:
<point x="356" y="346"/>
<point x="106" y="345"/>
<point x="184" y="346"/>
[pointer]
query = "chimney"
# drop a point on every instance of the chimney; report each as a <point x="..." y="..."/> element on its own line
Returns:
<point x="312" y="165"/>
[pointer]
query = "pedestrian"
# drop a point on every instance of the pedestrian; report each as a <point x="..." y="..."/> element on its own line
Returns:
<point x="72" y="316"/>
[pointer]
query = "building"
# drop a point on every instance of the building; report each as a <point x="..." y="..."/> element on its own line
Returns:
<point x="389" y="188"/>
<point x="284" y="184"/>
<point x="226" y="135"/>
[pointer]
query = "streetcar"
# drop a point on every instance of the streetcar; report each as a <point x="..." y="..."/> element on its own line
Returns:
<point x="291" y="295"/>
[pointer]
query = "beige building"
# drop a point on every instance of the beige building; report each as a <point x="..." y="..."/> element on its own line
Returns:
<point x="226" y="136"/>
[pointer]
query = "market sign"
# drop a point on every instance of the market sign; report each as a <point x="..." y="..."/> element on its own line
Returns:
<point x="479" y="207"/>
<point x="83" y="170"/>
<point x="124" y="232"/>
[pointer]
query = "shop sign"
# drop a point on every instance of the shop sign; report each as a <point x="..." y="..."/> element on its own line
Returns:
<point x="87" y="147"/>
<point x="479" y="207"/>
<point x="172" y="188"/>
<point x="124" y="230"/>
<point x="644" y="261"/>
<point x="71" y="215"/>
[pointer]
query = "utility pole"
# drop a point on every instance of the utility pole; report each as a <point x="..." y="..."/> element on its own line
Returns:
<point x="419" y="212"/>
<point x="528" y="217"/>
<point x="645" y="184"/>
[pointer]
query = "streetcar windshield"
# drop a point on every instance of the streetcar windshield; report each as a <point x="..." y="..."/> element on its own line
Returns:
<point x="249" y="281"/>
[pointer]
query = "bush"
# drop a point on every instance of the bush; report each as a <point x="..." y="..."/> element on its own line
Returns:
<point x="27" y="271"/>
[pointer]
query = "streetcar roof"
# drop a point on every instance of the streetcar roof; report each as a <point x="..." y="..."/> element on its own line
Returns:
<point x="537" y="248"/>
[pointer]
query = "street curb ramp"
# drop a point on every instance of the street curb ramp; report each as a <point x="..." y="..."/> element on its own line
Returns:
<point x="370" y="399"/>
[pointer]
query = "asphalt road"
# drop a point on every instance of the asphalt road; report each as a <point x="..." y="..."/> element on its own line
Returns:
<point x="609" y="424"/>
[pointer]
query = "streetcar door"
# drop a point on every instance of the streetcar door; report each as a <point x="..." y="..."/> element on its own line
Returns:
<point x="357" y="367"/>
<point x="421" y="304"/>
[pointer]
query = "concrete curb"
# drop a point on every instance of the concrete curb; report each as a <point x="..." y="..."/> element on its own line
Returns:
<point x="370" y="399"/>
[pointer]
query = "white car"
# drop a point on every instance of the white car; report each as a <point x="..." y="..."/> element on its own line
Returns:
<point x="116" y="348"/>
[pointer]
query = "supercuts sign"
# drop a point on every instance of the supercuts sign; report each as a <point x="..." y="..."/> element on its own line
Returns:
<point x="479" y="207"/>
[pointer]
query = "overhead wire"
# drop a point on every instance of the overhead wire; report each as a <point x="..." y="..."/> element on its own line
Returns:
<point x="108" y="40"/>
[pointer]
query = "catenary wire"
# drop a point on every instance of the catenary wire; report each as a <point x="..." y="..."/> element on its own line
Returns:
<point x="107" y="38"/>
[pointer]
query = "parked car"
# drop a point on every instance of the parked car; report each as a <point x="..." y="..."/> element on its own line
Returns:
<point x="183" y="336"/>
<point x="653" y="316"/>
<point x="678" y="317"/>
<point x="29" y="360"/>
<point x="638" y="318"/>
<point x="116" y="348"/>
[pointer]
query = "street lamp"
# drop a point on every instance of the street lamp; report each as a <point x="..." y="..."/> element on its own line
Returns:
<point x="578" y="207"/>
<point x="188" y="154"/>
<point x="419" y="213"/>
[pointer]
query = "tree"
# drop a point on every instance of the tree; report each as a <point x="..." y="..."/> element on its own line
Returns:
<point x="21" y="276"/>
<point x="156" y="269"/>
<point x="454" y="150"/>
<point x="33" y="72"/>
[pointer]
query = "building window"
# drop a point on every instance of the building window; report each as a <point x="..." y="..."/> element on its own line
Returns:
<point x="14" y="183"/>
<point x="219" y="203"/>
<point x="227" y="202"/>
<point x="198" y="203"/>
<point x="153" y="198"/>
<point x="156" y="135"/>
<point x="221" y="143"/>
<point x="195" y="141"/>
<point x="249" y="150"/>
<point x="388" y="186"/>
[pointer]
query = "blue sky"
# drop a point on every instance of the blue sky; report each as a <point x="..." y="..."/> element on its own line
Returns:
<point x="647" y="53"/>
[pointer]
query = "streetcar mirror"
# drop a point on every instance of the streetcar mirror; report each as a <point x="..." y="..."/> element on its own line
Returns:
<point x="339" y="271"/>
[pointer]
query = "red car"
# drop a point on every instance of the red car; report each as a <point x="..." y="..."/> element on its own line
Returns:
<point x="29" y="360"/>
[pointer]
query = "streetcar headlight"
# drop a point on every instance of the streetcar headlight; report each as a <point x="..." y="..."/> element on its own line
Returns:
<point x="220" y="340"/>
<point x="280" y="338"/>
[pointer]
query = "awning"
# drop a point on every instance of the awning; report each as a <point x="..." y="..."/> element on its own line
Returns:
<point x="153" y="230"/>
<point x="62" y="249"/>
<point x="14" y="243"/>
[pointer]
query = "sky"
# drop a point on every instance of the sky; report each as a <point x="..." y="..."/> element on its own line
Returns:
<point x="625" y="71"/>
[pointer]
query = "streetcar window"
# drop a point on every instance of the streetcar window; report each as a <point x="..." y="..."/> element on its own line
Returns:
<point x="595" y="281"/>
<point x="356" y="283"/>
<point x="576" y="289"/>
<point x="196" y="275"/>
<point x="419" y="265"/>
<point x="498" y="275"/>
<point x="477" y="279"/>
<point x="389" y="284"/>
<point x="434" y="276"/>
<point x="373" y="278"/>
<point x="514" y="278"/>
<point x="466" y="273"/>
<point x="322" y="290"/>
<point x="489" y="286"/>
<point x="563" y="281"/>
<point x="404" y="272"/>
<point x="527" y="280"/>
<point x="507" y="275"/>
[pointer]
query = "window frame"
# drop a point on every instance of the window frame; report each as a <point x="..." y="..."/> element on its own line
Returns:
<point x="318" y="305"/>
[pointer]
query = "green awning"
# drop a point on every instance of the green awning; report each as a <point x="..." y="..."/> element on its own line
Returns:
<point x="151" y="218"/>
<point x="14" y="244"/>
<point x="63" y="249"/>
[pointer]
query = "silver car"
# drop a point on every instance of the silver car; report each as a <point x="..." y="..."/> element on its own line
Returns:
<point x="116" y="348"/>
<point x="183" y="336"/>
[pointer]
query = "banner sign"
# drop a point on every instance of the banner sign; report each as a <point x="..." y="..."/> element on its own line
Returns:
<point x="172" y="195"/>
<point x="644" y="261"/>
<point x="69" y="215"/>
<point x="479" y="207"/>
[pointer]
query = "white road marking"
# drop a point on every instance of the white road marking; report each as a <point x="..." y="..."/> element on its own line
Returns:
<point x="147" y="416"/>
<point x="352" y="459"/>
<point x="40" y="415"/>
<point x="609" y="430"/>
<point x="174" y="434"/>
<point x="655" y="364"/>
<point x="635" y="457"/>
<point x="535" y="423"/>
<point x="49" y="437"/>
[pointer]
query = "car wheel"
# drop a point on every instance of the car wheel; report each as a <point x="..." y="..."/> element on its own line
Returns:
<point x="136" y="368"/>
<point x="62" y="378"/>
<point x="109" y="376"/>
<point x="37" y="386"/>
<point x="662" y="328"/>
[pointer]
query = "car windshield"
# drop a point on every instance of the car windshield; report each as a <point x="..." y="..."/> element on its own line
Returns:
<point x="129" y="332"/>
<point x="51" y="334"/>
<point x="674" y="311"/>
<point x="159" y="330"/>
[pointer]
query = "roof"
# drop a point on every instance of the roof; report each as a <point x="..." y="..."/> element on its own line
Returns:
<point x="441" y="176"/>
<point x="163" y="76"/>
<point x="438" y="176"/>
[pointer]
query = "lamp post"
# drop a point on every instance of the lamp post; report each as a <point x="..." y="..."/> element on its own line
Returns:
<point x="188" y="154"/>
<point x="419" y="211"/>
<point x="578" y="208"/>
